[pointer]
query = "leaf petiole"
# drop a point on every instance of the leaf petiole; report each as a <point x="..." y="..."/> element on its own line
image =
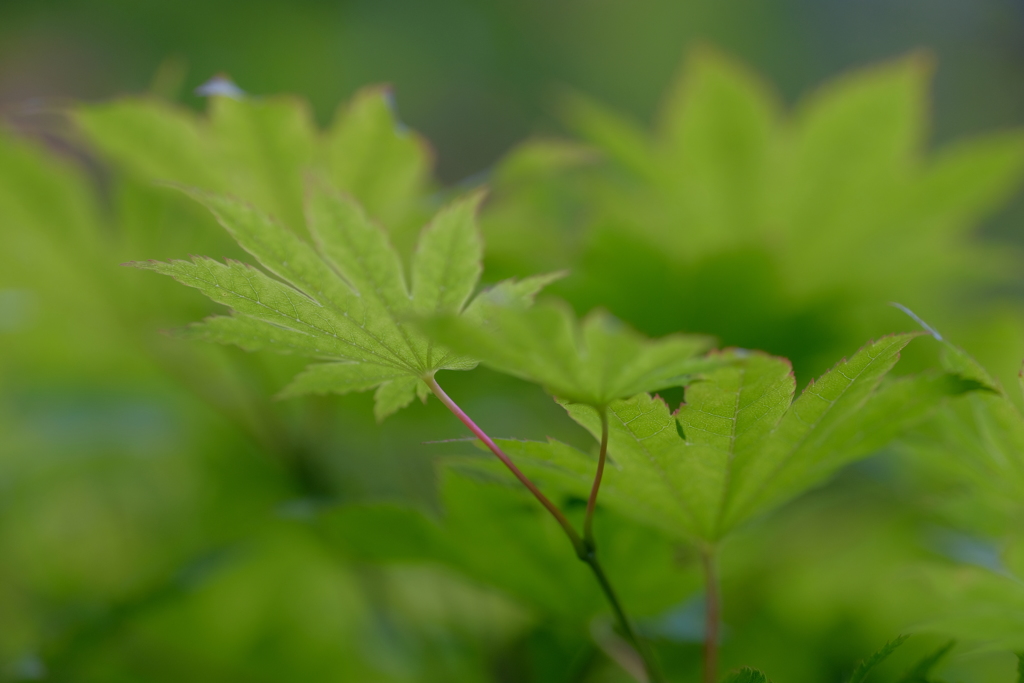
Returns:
<point x="585" y="550"/>
<point x="574" y="537"/>
<point x="588" y="523"/>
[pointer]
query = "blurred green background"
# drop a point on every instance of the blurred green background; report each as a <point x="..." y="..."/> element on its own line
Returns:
<point x="163" y="519"/>
<point x="478" y="77"/>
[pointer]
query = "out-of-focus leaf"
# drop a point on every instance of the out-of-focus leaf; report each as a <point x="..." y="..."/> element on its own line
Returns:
<point x="716" y="141"/>
<point x="154" y="140"/>
<point x="255" y="149"/>
<point x="724" y="174"/>
<point x="975" y="604"/>
<point x="977" y="444"/>
<point x="259" y="149"/>
<point x="268" y="144"/>
<point x="490" y="534"/>
<point x="372" y="156"/>
<point x="920" y="672"/>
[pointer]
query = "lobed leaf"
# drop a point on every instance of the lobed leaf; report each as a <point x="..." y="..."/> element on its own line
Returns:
<point x="259" y="149"/>
<point x="740" y="444"/>
<point x="446" y="264"/>
<point x="344" y="300"/>
<point x="802" y="439"/>
<point x="593" y="362"/>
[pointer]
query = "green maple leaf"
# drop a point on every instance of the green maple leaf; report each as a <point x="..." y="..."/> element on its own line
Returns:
<point x="259" y="148"/>
<point x="593" y="362"/>
<point x="726" y="160"/>
<point x="740" y="444"/>
<point x="345" y="300"/>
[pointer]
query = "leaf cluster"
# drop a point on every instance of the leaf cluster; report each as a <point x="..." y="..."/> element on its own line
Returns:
<point x="740" y="444"/>
<point x="731" y="217"/>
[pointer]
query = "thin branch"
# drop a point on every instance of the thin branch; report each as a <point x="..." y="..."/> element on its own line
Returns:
<point x="584" y="551"/>
<point x="577" y="542"/>
<point x="588" y="523"/>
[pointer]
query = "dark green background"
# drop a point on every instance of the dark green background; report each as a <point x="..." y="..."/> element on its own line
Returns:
<point x="476" y="77"/>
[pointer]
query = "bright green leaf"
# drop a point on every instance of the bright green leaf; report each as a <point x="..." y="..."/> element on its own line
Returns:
<point x="340" y="378"/>
<point x="622" y="140"/>
<point x="802" y="441"/>
<point x="393" y="395"/>
<point x="344" y="300"/>
<point x="446" y="264"/>
<point x="740" y="444"/>
<point x="593" y="362"/>
<point x="517" y="294"/>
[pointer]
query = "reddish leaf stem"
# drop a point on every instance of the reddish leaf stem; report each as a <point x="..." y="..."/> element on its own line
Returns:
<point x="585" y="551"/>
<point x="574" y="537"/>
<point x="588" y="523"/>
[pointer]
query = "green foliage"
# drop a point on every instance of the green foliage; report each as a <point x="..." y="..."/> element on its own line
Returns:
<point x="346" y="300"/>
<point x="971" y="452"/>
<point x="593" y="363"/>
<point x="488" y="535"/>
<point x="261" y="149"/>
<point x="921" y="671"/>
<point x="864" y="668"/>
<point x="163" y="519"/>
<point x="780" y="214"/>
<point x="980" y="438"/>
<point x="740" y="444"/>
